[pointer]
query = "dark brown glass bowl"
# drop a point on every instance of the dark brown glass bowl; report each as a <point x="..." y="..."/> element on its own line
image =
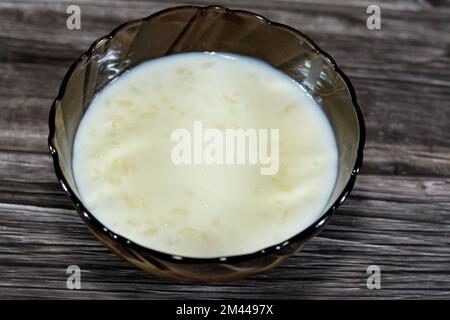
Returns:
<point x="184" y="29"/>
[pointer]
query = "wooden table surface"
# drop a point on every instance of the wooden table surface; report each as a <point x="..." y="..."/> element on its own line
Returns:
<point x="398" y="216"/>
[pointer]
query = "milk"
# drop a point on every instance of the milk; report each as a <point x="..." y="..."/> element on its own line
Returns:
<point x="127" y="179"/>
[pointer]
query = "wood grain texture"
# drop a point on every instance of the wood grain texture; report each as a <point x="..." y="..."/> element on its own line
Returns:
<point x="398" y="216"/>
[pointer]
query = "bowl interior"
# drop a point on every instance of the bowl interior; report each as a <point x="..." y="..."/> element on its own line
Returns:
<point x="187" y="29"/>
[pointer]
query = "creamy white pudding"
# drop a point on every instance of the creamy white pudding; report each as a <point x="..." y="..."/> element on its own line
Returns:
<point x="126" y="176"/>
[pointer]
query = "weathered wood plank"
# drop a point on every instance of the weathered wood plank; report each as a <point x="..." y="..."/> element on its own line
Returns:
<point x="400" y="238"/>
<point x="399" y="222"/>
<point x="394" y="113"/>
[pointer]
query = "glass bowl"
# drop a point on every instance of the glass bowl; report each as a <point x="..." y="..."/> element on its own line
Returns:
<point x="189" y="28"/>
